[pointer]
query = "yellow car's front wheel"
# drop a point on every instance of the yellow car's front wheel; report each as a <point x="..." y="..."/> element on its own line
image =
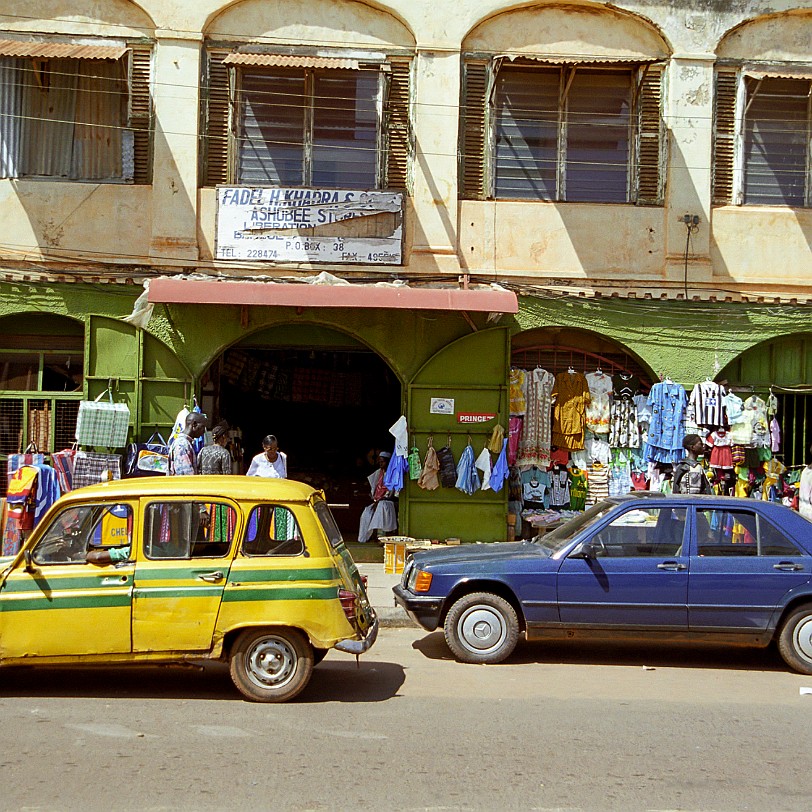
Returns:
<point x="271" y="665"/>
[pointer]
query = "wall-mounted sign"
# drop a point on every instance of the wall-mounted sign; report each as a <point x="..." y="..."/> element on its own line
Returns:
<point x="475" y="417"/>
<point x="309" y="225"/>
<point x="442" y="406"/>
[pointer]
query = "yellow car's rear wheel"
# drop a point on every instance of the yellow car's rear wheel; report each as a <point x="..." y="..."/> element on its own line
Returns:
<point x="271" y="665"/>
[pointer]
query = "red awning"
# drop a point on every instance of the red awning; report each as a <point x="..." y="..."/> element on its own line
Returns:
<point x="204" y="291"/>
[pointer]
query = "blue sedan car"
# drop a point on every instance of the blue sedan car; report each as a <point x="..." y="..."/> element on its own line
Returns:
<point x="641" y="567"/>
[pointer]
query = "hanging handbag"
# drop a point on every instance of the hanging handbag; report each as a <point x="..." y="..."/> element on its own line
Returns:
<point x="102" y="423"/>
<point x="90" y="468"/>
<point x="30" y="456"/>
<point x="62" y="462"/>
<point x="147" y="459"/>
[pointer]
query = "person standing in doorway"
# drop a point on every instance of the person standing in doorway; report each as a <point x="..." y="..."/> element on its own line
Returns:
<point x="381" y="515"/>
<point x="271" y="462"/>
<point x="182" y="457"/>
<point x="215" y="459"/>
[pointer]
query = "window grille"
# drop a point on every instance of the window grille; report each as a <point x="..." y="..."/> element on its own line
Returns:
<point x="81" y="119"/>
<point x="568" y="133"/>
<point x="762" y="127"/>
<point x="327" y="127"/>
<point x="557" y="359"/>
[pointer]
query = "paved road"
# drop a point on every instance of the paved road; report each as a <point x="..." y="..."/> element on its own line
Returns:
<point x="557" y="727"/>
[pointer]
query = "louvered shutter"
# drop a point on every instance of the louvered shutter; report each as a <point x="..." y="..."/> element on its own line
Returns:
<point x="724" y="136"/>
<point x="398" y="129"/>
<point x="140" y="112"/>
<point x="651" y="145"/>
<point x="216" y="119"/>
<point x="473" y="120"/>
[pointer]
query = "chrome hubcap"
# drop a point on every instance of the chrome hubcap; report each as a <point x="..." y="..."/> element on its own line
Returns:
<point x="271" y="662"/>
<point x="803" y="639"/>
<point x="482" y="629"/>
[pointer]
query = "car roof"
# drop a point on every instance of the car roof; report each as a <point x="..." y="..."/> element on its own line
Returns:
<point x="731" y="502"/>
<point x="235" y="487"/>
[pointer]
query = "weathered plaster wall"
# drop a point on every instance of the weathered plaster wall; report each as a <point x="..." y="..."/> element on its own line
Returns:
<point x="171" y="224"/>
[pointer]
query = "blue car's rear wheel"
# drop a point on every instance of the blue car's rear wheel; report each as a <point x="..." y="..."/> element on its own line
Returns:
<point x="795" y="640"/>
<point x="481" y="628"/>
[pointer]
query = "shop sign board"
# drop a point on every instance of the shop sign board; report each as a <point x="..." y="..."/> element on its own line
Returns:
<point x="475" y="417"/>
<point x="309" y="225"/>
<point x="442" y="406"/>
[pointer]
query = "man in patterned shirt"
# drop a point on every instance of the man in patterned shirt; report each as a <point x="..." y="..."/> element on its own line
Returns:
<point x="182" y="457"/>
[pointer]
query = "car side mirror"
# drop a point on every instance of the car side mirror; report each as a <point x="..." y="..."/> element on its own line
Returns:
<point x="585" y="550"/>
<point x="29" y="561"/>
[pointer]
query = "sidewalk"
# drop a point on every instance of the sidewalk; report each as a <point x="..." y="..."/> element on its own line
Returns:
<point x="379" y="590"/>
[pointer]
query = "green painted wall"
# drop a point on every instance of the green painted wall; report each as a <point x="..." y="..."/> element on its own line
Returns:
<point x="431" y="353"/>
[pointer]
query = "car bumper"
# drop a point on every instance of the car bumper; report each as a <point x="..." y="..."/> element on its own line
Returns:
<point x="422" y="609"/>
<point x="364" y="644"/>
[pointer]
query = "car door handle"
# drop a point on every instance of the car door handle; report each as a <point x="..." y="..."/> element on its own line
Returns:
<point x="671" y="565"/>
<point x="211" y="577"/>
<point x="121" y="579"/>
<point x="787" y="566"/>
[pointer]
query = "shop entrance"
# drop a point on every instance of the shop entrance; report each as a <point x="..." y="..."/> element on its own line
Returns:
<point x="781" y="367"/>
<point x="327" y="398"/>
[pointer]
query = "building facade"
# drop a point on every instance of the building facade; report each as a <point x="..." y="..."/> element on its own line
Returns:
<point x="348" y="211"/>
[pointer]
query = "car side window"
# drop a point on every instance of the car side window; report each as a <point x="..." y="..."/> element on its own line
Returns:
<point x="740" y="533"/>
<point x="272" y="530"/>
<point x="650" y="532"/>
<point x="76" y="530"/>
<point x="188" y="530"/>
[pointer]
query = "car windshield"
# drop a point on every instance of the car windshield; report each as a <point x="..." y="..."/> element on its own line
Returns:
<point x="555" y="540"/>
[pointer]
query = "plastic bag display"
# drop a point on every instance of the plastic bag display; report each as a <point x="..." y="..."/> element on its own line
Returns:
<point x="428" y="479"/>
<point x="448" y="468"/>
<point x="102" y="423"/>
<point x="147" y="459"/>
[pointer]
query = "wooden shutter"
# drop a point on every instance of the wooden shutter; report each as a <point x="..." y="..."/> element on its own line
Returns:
<point x="473" y="136"/>
<point x="141" y="111"/>
<point x="650" y="161"/>
<point x="398" y="129"/>
<point x="216" y="101"/>
<point x="724" y="136"/>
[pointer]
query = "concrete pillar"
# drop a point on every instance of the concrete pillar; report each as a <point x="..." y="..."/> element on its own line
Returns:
<point x="176" y="72"/>
<point x="689" y="116"/>
<point x="436" y="127"/>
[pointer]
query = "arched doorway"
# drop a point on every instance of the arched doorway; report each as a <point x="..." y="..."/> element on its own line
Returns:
<point x="601" y="450"/>
<point x="781" y="367"/>
<point x="42" y="372"/>
<point x="327" y="397"/>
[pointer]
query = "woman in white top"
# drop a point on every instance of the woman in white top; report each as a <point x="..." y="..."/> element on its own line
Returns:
<point x="271" y="462"/>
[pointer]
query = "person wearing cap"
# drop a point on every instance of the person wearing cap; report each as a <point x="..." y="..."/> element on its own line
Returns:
<point x="381" y="514"/>
<point x="215" y="459"/>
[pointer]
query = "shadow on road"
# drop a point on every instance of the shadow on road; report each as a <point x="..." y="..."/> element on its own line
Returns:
<point x="557" y="652"/>
<point x="332" y="681"/>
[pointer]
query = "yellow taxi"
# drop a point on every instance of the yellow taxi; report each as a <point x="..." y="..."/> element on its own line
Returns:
<point x="248" y="570"/>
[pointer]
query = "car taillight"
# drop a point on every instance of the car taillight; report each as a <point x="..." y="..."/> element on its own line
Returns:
<point x="364" y="580"/>
<point x="347" y="600"/>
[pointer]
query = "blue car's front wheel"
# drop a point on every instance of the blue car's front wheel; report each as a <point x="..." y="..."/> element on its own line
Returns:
<point x="481" y="628"/>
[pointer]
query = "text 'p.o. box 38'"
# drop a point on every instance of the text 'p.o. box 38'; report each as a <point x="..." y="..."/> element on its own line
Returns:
<point x="309" y="225"/>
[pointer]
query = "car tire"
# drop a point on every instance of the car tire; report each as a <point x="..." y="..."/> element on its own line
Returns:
<point x="271" y="665"/>
<point x="481" y="628"/>
<point x="795" y="640"/>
